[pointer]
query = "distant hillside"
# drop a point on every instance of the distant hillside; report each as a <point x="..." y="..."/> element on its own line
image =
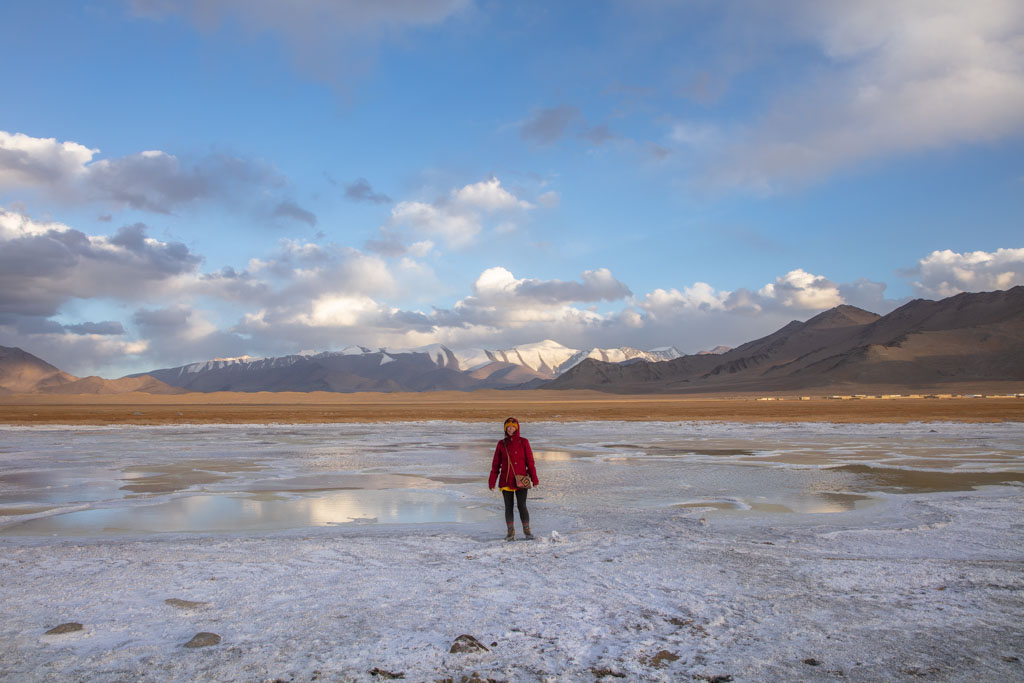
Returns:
<point x="967" y="337"/>
<point x="23" y="373"/>
<point x="97" y="385"/>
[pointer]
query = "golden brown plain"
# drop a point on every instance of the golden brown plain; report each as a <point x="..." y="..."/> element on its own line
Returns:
<point x="537" y="405"/>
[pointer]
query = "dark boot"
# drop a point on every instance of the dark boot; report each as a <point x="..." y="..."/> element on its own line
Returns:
<point x="511" y="532"/>
<point x="526" y="530"/>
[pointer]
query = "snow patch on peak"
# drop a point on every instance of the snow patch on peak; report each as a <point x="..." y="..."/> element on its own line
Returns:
<point x="621" y="355"/>
<point x="544" y="356"/>
<point x="717" y="351"/>
<point x="353" y="351"/>
<point x="217" y="363"/>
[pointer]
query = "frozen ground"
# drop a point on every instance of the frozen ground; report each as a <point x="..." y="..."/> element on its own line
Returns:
<point x="668" y="552"/>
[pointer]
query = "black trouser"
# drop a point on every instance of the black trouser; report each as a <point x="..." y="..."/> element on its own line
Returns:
<point x="524" y="514"/>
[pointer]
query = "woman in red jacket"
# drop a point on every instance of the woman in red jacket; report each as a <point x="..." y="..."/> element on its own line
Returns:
<point x="512" y="456"/>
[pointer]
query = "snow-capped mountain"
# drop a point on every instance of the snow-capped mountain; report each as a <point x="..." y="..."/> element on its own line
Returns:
<point x="359" y="368"/>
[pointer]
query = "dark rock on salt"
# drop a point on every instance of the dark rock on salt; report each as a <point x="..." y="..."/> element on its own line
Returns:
<point x="203" y="639"/>
<point x="811" y="661"/>
<point x="466" y="643"/>
<point x="184" y="604"/>
<point x="383" y="673"/>
<point x="475" y="678"/>
<point x="662" y="658"/>
<point x="69" y="627"/>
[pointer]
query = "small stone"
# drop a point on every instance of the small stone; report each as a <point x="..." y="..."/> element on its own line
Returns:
<point x="69" y="627"/>
<point x="203" y="639"/>
<point x="465" y="643"/>
<point x="383" y="673"/>
<point x="184" y="604"/>
<point x="811" y="661"/>
<point x="605" y="671"/>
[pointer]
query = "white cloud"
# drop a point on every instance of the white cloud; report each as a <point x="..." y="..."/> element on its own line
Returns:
<point x="800" y="289"/>
<point x="498" y="286"/>
<point x="151" y="180"/>
<point x="28" y="162"/>
<point x="700" y="296"/>
<point x="15" y="225"/>
<point x="458" y="218"/>
<point x="488" y="195"/>
<point x="946" y="273"/>
<point x="339" y="311"/>
<point x="456" y="228"/>
<point x="896" y="78"/>
<point x="43" y="265"/>
<point x="796" y="289"/>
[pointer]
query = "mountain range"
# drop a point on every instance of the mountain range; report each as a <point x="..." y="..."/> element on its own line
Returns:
<point x="429" y="368"/>
<point x="970" y="337"/>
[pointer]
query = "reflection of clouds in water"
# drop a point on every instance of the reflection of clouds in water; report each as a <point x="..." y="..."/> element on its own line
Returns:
<point x="548" y="455"/>
<point x="610" y="466"/>
<point x="231" y="512"/>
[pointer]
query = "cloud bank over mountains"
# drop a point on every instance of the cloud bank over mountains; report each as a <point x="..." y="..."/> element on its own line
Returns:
<point x="308" y="296"/>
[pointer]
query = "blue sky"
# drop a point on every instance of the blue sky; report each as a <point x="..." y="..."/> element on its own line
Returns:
<point x="182" y="180"/>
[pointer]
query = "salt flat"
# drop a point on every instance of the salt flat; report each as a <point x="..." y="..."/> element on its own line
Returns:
<point x="668" y="551"/>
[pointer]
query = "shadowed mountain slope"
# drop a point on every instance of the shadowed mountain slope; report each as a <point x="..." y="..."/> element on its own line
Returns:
<point x="21" y="372"/>
<point x="967" y="337"/>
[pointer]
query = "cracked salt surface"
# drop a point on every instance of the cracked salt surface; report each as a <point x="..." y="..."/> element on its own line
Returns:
<point x="874" y="551"/>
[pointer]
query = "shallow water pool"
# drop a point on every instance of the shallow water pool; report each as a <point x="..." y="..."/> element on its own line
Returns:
<point x="99" y="481"/>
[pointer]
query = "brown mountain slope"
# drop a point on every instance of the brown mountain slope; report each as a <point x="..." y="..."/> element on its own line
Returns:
<point x="21" y="372"/>
<point x="97" y="385"/>
<point x="968" y="337"/>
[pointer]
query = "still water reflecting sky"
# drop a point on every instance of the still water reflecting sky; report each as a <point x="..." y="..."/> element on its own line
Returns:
<point x="237" y="478"/>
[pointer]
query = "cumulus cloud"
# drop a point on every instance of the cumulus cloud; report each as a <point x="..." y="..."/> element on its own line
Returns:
<point x="308" y="295"/>
<point x="150" y="181"/>
<point x="45" y="264"/>
<point x="458" y="218"/>
<point x="802" y="290"/>
<point x="794" y="292"/>
<point x="30" y="162"/>
<point x="498" y="286"/>
<point x="895" y="78"/>
<point x="946" y="273"/>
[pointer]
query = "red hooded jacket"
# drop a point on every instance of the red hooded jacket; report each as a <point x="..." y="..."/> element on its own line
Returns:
<point x="522" y="462"/>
